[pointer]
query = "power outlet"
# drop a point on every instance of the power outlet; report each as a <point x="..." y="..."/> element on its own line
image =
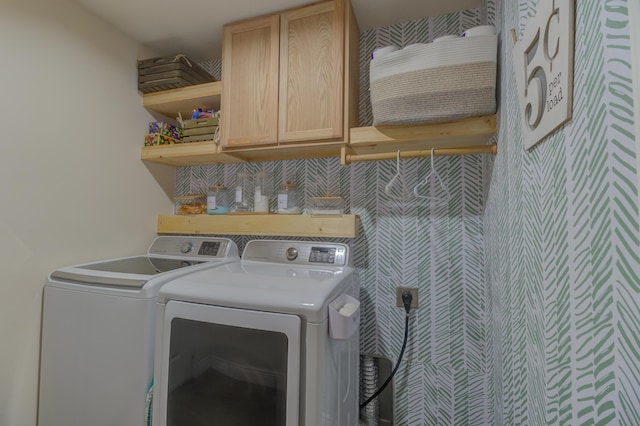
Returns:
<point x="414" y="294"/>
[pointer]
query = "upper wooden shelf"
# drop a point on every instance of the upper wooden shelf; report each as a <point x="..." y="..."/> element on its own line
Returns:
<point x="383" y="142"/>
<point x="202" y="153"/>
<point x="184" y="99"/>
<point x="464" y="136"/>
<point x="338" y="226"/>
<point x="187" y="154"/>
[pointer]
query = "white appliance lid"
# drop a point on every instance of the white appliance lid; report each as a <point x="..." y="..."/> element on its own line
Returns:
<point x="166" y="254"/>
<point x="126" y="272"/>
<point x="301" y="290"/>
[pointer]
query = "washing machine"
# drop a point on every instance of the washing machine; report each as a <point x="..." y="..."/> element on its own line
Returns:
<point x="98" y="331"/>
<point x="269" y="341"/>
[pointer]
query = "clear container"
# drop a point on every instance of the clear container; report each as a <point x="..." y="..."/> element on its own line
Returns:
<point x="288" y="199"/>
<point x="262" y="192"/>
<point x="217" y="200"/>
<point x="326" y="205"/>
<point x="241" y="193"/>
<point x="191" y="204"/>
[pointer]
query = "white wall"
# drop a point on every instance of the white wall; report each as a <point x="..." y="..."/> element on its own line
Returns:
<point x="72" y="185"/>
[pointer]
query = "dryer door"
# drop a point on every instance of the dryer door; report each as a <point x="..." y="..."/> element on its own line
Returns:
<point x="228" y="366"/>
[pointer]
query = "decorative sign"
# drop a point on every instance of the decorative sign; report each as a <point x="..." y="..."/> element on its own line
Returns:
<point x="543" y="61"/>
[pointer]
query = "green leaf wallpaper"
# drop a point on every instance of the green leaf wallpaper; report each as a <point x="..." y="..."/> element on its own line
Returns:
<point x="529" y="276"/>
<point x="561" y="233"/>
<point x="446" y="377"/>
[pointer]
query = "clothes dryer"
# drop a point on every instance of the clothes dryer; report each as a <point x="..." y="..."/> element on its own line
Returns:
<point x="252" y="343"/>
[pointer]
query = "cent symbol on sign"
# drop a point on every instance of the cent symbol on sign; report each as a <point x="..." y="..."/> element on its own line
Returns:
<point x="543" y="62"/>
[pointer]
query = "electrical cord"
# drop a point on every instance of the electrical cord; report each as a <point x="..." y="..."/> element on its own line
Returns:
<point x="406" y="300"/>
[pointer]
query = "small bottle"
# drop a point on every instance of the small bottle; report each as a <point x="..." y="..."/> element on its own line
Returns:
<point x="241" y="193"/>
<point x="287" y="199"/>
<point x="262" y="192"/>
<point x="216" y="200"/>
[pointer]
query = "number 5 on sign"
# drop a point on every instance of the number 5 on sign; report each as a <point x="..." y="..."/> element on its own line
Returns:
<point x="543" y="62"/>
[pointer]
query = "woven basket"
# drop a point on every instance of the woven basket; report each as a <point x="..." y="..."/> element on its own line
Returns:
<point x="169" y="72"/>
<point x="433" y="82"/>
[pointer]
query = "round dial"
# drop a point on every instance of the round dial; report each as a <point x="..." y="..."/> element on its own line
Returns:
<point x="292" y="253"/>
<point x="186" y="247"/>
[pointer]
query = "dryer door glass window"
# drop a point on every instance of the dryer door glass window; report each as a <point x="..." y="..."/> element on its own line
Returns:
<point x="230" y="375"/>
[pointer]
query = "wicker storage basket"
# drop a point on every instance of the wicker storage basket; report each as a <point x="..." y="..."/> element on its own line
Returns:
<point x="200" y="129"/>
<point x="440" y="81"/>
<point x="169" y="72"/>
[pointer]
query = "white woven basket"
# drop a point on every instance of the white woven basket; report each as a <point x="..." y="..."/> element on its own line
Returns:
<point x="441" y="81"/>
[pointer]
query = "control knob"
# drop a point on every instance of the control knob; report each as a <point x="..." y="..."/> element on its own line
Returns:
<point x="186" y="247"/>
<point x="292" y="253"/>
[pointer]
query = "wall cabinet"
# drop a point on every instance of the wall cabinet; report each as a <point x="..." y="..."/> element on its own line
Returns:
<point x="290" y="78"/>
<point x="250" y="55"/>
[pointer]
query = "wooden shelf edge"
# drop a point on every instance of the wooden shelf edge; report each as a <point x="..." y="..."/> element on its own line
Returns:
<point x="287" y="151"/>
<point x="342" y="226"/>
<point x="187" y="154"/>
<point x="458" y="133"/>
<point x="202" y="153"/>
<point x="347" y="156"/>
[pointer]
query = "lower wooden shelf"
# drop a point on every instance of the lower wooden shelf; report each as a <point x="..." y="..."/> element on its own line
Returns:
<point x="339" y="226"/>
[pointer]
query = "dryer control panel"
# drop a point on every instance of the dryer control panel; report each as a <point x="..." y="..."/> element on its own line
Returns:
<point x="328" y="255"/>
<point x="297" y="252"/>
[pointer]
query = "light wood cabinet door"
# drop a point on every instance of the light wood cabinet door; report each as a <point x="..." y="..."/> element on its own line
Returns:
<point x="250" y="58"/>
<point x="311" y="73"/>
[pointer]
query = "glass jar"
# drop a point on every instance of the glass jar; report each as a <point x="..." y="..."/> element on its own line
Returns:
<point x="216" y="200"/>
<point x="241" y="193"/>
<point x="262" y="192"/>
<point x="326" y="205"/>
<point x="191" y="204"/>
<point x="287" y="199"/>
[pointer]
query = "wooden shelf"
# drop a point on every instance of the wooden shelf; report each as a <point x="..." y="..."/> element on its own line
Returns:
<point x="466" y="132"/>
<point x="340" y="226"/>
<point x="202" y="153"/>
<point x="287" y="152"/>
<point x="187" y="154"/>
<point x="371" y="143"/>
<point x="184" y="99"/>
<point x="366" y="143"/>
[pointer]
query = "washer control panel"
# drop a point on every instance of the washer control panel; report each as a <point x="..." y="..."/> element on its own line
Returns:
<point x="297" y="252"/>
<point x="193" y="247"/>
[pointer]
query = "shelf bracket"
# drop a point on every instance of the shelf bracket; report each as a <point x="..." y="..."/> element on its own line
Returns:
<point x="346" y="153"/>
<point x="349" y="157"/>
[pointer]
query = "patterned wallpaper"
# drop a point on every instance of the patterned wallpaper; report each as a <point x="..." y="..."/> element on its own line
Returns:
<point x="537" y="322"/>
<point x="557" y="314"/>
<point x="446" y="377"/>
<point x="562" y="248"/>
